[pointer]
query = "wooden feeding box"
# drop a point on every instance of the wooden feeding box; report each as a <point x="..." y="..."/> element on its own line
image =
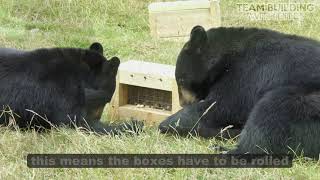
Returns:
<point x="174" y="20"/>
<point x="145" y="91"/>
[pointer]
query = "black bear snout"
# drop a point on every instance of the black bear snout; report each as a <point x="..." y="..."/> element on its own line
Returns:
<point x="163" y="128"/>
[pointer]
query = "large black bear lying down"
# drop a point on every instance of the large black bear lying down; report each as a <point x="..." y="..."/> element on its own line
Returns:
<point x="263" y="83"/>
<point x="59" y="86"/>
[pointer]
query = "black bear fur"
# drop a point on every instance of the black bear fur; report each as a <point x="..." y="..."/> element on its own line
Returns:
<point x="263" y="83"/>
<point x="50" y="87"/>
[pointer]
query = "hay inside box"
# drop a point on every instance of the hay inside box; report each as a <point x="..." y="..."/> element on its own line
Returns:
<point x="145" y="91"/>
<point x="174" y="20"/>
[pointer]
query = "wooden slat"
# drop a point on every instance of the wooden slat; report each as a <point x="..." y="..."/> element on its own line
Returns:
<point x="136" y="66"/>
<point x="145" y="74"/>
<point x="175" y="98"/>
<point x="180" y="23"/>
<point x="176" y="19"/>
<point x="215" y="13"/>
<point x="113" y="106"/>
<point x="150" y="116"/>
<point x="178" y="5"/>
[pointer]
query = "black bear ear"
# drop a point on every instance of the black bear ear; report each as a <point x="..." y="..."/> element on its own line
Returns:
<point x="115" y="62"/>
<point x="198" y="37"/>
<point x="96" y="47"/>
<point x="112" y="65"/>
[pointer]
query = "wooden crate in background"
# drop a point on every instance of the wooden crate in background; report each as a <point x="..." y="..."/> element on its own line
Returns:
<point x="174" y="20"/>
<point x="145" y="91"/>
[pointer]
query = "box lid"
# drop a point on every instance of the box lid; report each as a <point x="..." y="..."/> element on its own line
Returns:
<point x="148" y="68"/>
<point x="179" y="5"/>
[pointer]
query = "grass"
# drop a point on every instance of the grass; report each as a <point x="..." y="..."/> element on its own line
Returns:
<point x="122" y="27"/>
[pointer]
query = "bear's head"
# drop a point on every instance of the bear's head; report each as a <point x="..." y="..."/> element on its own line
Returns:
<point x="192" y="67"/>
<point x="100" y="80"/>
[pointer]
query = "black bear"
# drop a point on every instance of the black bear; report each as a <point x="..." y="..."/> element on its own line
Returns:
<point x="58" y="87"/>
<point x="262" y="83"/>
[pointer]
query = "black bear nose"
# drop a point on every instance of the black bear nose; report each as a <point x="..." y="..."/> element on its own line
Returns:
<point x="163" y="129"/>
<point x="164" y="126"/>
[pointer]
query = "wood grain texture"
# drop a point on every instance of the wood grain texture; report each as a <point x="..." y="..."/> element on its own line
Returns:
<point x="176" y="19"/>
<point x="143" y="74"/>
